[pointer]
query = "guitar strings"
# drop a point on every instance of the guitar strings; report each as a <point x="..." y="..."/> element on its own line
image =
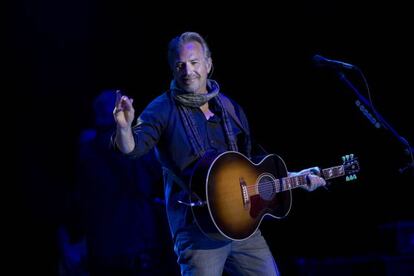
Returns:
<point x="271" y="184"/>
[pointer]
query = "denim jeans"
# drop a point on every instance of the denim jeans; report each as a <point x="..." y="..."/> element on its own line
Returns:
<point x="198" y="255"/>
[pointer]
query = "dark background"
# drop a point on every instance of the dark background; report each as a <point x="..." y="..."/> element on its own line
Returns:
<point x="63" y="53"/>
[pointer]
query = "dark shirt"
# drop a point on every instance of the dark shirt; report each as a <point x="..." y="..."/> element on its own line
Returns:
<point x="160" y="125"/>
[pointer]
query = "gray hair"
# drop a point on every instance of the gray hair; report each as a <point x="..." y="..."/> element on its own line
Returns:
<point x="182" y="39"/>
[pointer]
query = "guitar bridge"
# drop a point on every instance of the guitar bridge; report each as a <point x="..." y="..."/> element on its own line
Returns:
<point x="245" y="194"/>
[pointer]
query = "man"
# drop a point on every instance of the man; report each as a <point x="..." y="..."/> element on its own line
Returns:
<point x="184" y="123"/>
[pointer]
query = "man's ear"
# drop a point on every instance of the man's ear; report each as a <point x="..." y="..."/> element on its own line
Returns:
<point x="209" y="64"/>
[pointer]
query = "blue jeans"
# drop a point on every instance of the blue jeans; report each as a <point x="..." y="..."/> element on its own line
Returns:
<point x="198" y="255"/>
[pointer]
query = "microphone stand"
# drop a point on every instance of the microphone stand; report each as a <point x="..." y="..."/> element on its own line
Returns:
<point x="379" y="121"/>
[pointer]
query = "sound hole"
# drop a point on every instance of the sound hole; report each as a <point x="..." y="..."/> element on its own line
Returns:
<point x="267" y="187"/>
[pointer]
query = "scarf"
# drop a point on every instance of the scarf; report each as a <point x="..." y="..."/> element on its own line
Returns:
<point x="186" y="101"/>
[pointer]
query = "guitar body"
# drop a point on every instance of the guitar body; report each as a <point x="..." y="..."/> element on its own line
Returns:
<point x="236" y="194"/>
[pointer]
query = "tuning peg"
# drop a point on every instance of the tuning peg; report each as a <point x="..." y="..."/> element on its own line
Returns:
<point x="348" y="157"/>
<point x="351" y="177"/>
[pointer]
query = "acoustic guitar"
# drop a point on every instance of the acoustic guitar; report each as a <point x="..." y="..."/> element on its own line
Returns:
<point x="230" y="194"/>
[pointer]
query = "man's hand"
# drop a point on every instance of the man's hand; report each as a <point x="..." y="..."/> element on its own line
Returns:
<point x="314" y="180"/>
<point x="124" y="116"/>
<point x="124" y="111"/>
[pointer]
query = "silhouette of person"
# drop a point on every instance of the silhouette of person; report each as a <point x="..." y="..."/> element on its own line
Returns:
<point x="116" y="197"/>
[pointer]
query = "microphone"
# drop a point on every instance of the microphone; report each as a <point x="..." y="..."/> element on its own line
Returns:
<point x="321" y="61"/>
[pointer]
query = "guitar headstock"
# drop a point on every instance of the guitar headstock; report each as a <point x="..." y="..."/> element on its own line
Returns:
<point x="350" y="166"/>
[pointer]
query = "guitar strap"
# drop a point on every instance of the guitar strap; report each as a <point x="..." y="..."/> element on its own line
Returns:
<point x="171" y="176"/>
<point x="228" y="105"/>
<point x="193" y="199"/>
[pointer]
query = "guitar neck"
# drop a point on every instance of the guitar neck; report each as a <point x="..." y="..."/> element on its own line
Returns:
<point x="333" y="172"/>
<point x="291" y="182"/>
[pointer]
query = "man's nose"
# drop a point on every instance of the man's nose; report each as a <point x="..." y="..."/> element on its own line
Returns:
<point x="188" y="69"/>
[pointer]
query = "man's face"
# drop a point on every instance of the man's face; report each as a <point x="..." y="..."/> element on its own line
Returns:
<point x="191" y="67"/>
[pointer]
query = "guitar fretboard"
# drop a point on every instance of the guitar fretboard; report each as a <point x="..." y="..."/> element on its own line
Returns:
<point x="333" y="172"/>
<point x="291" y="182"/>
